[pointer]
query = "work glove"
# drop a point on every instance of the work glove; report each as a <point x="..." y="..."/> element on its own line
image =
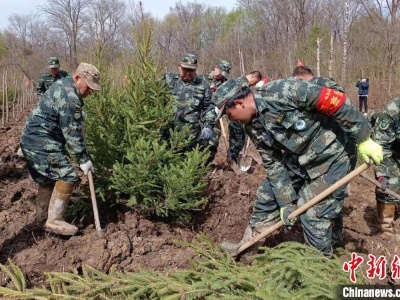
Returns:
<point x="20" y="153"/>
<point x="206" y="134"/>
<point x="285" y="211"/>
<point x="384" y="182"/>
<point x="370" y="149"/>
<point x="86" y="167"/>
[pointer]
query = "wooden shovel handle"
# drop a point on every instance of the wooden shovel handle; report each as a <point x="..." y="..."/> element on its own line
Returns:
<point x="221" y="123"/>
<point x="94" y="202"/>
<point x="307" y="205"/>
<point x="378" y="184"/>
<point x="246" y="146"/>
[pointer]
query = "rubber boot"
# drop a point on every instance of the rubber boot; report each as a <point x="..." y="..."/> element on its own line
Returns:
<point x="42" y="203"/>
<point x="249" y="234"/>
<point x="58" y="204"/>
<point x="386" y="213"/>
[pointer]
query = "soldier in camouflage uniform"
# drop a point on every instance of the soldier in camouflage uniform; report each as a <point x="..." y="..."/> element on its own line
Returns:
<point x="54" y="129"/>
<point x="219" y="75"/>
<point x="48" y="78"/>
<point x="237" y="135"/>
<point x="387" y="133"/>
<point x="215" y="78"/>
<point x="194" y="106"/>
<point x="287" y="117"/>
<point x="305" y="73"/>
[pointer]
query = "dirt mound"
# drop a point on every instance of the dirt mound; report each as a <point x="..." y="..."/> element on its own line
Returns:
<point x="132" y="242"/>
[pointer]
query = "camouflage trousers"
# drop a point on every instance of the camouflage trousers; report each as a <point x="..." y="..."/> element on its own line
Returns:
<point x="394" y="185"/>
<point x="47" y="168"/>
<point x="323" y="223"/>
<point x="236" y="139"/>
<point x="214" y="142"/>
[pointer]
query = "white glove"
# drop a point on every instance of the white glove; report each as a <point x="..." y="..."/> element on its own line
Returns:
<point x="20" y="153"/>
<point x="83" y="116"/>
<point x="86" y="167"/>
<point x="263" y="81"/>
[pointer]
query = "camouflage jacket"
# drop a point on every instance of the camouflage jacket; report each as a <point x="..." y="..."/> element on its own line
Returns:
<point x="56" y="122"/>
<point x="387" y="134"/>
<point x="328" y="82"/>
<point x="289" y="122"/>
<point x="46" y="80"/>
<point x="193" y="101"/>
<point x="214" y="84"/>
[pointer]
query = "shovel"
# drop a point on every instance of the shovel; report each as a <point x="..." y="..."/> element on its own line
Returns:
<point x="244" y="160"/>
<point x="94" y="204"/>
<point x="100" y="232"/>
<point x="304" y="207"/>
<point x="378" y="184"/>
<point x="232" y="164"/>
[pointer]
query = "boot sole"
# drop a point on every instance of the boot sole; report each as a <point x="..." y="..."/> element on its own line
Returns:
<point x="49" y="229"/>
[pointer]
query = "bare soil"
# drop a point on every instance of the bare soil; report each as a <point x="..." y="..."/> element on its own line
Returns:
<point x="131" y="242"/>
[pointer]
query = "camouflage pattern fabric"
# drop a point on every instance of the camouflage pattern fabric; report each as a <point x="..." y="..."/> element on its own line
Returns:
<point x="54" y="130"/>
<point x="237" y="137"/>
<point x="288" y="126"/>
<point x="46" y="80"/>
<point x="224" y="66"/>
<point x="387" y="134"/>
<point x="194" y="105"/>
<point x="235" y="129"/>
<point x="327" y="82"/>
<point x="214" y="142"/>
<point x="214" y="83"/>
<point x="237" y="134"/>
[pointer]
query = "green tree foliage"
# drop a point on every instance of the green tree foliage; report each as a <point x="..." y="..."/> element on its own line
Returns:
<point x="288" y="271"/>
<point x="134" y="163"/>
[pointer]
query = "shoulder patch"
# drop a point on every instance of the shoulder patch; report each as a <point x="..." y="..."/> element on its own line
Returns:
<point x="77" y="114"/>
<point x="280" y="118"/>
<point x="384" y="124"/>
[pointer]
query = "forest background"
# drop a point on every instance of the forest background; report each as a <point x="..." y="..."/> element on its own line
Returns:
<point x="342" y="39"/>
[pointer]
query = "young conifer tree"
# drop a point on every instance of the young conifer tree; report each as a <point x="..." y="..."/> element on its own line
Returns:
<point x="126" y="130"/>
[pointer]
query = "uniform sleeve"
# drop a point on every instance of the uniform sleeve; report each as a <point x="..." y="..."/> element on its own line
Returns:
<point x="336" y="104"/>
<point x="278" y="176"/>
<point x="208" y="109"/>
<point x="237" y="136"/>
<point x="385" y="135"/>
<point x="40" y="89"/>
<point x="71" y="123"/>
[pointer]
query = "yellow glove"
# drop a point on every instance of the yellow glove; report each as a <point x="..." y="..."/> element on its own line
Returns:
<point x="370" y="149"/>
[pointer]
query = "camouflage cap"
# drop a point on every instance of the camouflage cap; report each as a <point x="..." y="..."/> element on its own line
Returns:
<point x="226" y="91"/>
<point x="224" y="66"/>
<point x="91" y="75"/>
<point x="189" y="61"/>
<point x="53" y="62"/>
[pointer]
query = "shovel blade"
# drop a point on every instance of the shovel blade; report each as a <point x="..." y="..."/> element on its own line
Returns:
<point x="235" y="167"/>
<point x="245" y="163"/>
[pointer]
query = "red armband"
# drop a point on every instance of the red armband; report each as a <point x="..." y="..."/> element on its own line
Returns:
<point x="330" y="101"/>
